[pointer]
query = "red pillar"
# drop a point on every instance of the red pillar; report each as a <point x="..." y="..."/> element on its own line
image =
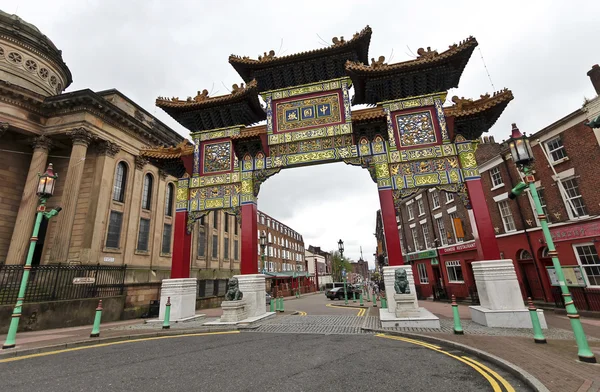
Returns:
<point x="487" y="248"/>
<point x="390" y="227"/>
<point x="249" y="264"/>
<point x="182" y="246"/>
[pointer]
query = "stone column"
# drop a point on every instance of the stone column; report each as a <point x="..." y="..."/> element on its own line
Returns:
<point x="95" y="225"/>
<point x="249" y="262"/>
<point x="29" y="201"/>
<point x="62" y="238"/>
<point x="182" y="243"/>
<point x="390" y="227"/>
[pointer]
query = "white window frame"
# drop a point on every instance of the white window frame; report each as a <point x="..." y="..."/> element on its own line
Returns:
<point x="439" y="222"/>
<point x="413" y="232"/>
<point x="453" y="265"/>
<point x="496" y="177"/>
<point x="426" y="239"/>
<point x="422" y="270"/>
<point x="421" y="207"/>
<point x="435" y="199"/>
<point x="504" y="218"/>
<point x="411" y="213"/>
<point x="550" y="151"/>
<point x="449" y="197"/>
<point x="583" y="266"/>
<point x="568" y="201"/>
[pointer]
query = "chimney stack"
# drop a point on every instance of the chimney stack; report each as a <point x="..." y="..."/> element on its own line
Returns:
<point x="594" y="75"/>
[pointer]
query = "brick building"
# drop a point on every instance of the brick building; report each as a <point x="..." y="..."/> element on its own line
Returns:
<point x="436" y="230"/>
<point x="284" y="251"/>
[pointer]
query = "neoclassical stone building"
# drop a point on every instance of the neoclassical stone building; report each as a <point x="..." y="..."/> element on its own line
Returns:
<point x="117" y="208"/>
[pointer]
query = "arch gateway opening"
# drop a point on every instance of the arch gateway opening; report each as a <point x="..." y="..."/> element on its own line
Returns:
<point x="406" y="138"/>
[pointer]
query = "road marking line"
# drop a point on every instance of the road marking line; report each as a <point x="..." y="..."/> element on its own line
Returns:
<point x="347" y="307"/>
<point x="66" y="350"/>
<point x="505" y="383"/>
<point x="433" y="346"/>
<point x="301" y="313"/>
<point x="495" y="386"/>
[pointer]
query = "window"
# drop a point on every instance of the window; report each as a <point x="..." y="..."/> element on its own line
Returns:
<point x="120" y="181"/>
<point x="409" y="209"/>
<point x="589" y="260"/>
<point x="556" y="149"/>
<point x="166" y="240"/>
<point x="425" y="230"/>
<point x="215" y="219"/>
<point x="262" y="219"/>
<point x="169" y="200"/>
<point x="455" y="274"/>
<point x="235" y="225"/>
<point x="215" y="246"/>
<point x="226" y="248"/>
<point x="226" y="223"/>
<point x="423" y="279"/>
<point x="496" y="177"/>
<point x="270" y="238"/>
<point x="442" y="231"/>
<point x="574" y="199"/>
<point x="506" y="214"/>
<point x="202" y="220"/>
<point x="147" y="192"/>
<point x="542" y="197"/>
<point x="201" y="242"/>
<point x="457" y="227"/>
<point x="420" y="207"/>
<point x="236" y="250"/>
<point x="143" y="235"/>
<point x="449" y="197"/>
<point x="413" y="231"/>
<point x="114" y="229"/>
<point x="435" y="197"/>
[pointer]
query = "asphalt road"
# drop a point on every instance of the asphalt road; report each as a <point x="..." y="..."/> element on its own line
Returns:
<point x="251" y="361"/>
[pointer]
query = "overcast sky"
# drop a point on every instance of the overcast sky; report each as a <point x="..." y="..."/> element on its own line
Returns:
<point x="541" y="50"/>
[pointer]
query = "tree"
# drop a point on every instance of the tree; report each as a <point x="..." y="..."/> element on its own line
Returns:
<point x="376" y="277"/>
<point x="338" y="264"/>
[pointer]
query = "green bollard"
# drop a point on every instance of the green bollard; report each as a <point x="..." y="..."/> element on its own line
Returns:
<point x="368" y="296"/>
<point x="538" y="336"/>
<point x="277" y="304"/>
<point x="281" y="308"/>
<point x="383" y="302"/>
<point x="167" y="321"/>
<point x="458" y="330"/>
<point x="374" y="301"/>
<point x="354" y="296"/>
<point x="272" y="305"/>
<point x="96" y="328"/>
<point x="361" y="299"/>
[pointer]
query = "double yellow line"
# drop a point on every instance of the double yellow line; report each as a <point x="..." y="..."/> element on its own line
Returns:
<point x="301" y="313"/>
<point x="490" y="375"/>
<point x="361" y="311"/>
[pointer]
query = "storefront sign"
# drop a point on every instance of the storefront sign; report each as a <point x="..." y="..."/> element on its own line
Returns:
<point x="573" y="276"/>
<point x="566" y="233"/>
<point x="459" y="248"/>
<point x="426" y="254"/>
<point x="435" y="261"/>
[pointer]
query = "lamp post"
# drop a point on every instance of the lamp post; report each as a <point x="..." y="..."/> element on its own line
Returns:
<point x="317" y="274"/>
<point x="522" y="155"/>
<point x="341" y="249"/>
<point x="45" y="189"/>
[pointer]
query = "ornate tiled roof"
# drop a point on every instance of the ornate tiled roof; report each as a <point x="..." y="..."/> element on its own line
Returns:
<point x="467" y="107"/>
<point x="473" y="118"/>
<point x="203" y="112"/>
<point x="429" y="72"/>
<point x="182" y="149"/>
<point x="251" y="132"/>
<point x="274" y="72"/>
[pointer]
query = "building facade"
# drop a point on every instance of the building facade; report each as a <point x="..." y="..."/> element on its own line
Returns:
<point x="437" y="232"/>
<point x="285" y="247"/>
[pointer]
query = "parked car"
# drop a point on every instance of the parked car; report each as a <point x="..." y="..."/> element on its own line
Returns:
<point x="338" y="293"/>
<point x="268" y="298"/>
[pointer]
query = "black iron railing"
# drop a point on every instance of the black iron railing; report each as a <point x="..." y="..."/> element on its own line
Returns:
<point x="474" y="295"/>
<point x="584" y="298"/>
<point x="60" y="282"/>
<point x="212" y="287"/>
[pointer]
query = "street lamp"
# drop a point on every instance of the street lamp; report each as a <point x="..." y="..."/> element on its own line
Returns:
<point x="522" y="155"/>
<point x="317" y="274"/>
<point x="263" y="243"/>
<point x="45" y="189"/>
<point x="341" y="249"/>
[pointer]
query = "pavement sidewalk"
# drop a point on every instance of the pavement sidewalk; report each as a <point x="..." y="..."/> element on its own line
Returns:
<point x="555" y="364"/>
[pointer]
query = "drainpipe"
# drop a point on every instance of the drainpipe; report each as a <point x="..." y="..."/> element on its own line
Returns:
<point x="533" y="254"/>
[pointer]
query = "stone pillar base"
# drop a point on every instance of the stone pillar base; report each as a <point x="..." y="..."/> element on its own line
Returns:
<point x="233" y="311"/>
<point x="403" y="310"/>
<point x="183" y="298"/>
<point x="254" y="289"/>
<point x="501" y="304"/>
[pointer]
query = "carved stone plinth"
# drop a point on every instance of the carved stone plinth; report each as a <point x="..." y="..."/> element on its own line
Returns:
<point x="254" y="289"/>
<point x="183" y="298"/>
<point x="234" y="311"/>
<point x="500" y="296"/>
<point x="406" y="305"/>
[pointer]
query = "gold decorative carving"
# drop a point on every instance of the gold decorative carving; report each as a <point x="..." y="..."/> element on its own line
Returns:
<point x="422" y="53"/>
<point x="380" y="62"/>
<point x="267" y="56"/>
<point x="338" y="42"/>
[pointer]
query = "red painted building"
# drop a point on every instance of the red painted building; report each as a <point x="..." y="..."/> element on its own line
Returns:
<point x="436" y="228"/>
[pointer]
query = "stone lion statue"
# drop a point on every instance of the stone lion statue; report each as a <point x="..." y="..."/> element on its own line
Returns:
<point x="401" y="285"/>
<point x="233" y="291"/>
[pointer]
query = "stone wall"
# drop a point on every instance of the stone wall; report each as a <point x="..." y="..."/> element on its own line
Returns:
<point x="62" y="314"/>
